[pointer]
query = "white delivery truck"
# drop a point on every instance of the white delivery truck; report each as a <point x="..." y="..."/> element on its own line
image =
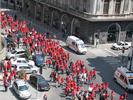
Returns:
<point x="124" y="77"/>
<point x="76" y="44"/>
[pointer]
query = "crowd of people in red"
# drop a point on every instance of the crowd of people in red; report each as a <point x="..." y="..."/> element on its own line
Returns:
<point x="72" y="76"/>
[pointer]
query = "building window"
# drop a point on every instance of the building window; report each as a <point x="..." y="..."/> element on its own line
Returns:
<point x="106" y="7"/>
<point x="117" y="6"/>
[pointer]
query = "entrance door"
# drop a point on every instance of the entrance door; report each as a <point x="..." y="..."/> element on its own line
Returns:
<point x="113" y="33"/>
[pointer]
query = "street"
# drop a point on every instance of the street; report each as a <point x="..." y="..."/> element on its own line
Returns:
<point x="103" y="58"/>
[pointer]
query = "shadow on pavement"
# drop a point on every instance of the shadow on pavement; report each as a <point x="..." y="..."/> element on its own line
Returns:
<point x="72" y="51"/>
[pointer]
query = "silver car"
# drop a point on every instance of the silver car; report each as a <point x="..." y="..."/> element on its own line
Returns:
<point x="21" y="89"/>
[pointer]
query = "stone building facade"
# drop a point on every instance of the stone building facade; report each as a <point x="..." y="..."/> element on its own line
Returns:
<point x="105" y="20"/>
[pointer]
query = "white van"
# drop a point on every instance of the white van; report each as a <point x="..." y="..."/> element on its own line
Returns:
<point x="76" y="44"/>
<point x="124" y="77"/>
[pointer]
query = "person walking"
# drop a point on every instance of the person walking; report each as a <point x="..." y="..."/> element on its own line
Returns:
<point x="5" y="83"/>
<point x="112" y="95"/>
<point x="45" y="97"/>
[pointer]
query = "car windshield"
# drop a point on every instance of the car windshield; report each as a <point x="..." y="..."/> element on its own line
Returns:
<point x="118" y="43"/>
<point x="41" y="80"/>
<point x="23" y="88"/>
<point x="39" y="57"/>
<point x="131" y="81"/>
<point x="81" y="46"/>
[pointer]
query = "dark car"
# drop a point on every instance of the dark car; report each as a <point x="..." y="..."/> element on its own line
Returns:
<point x="39" y="82"/>
<point x="39" y="59"/>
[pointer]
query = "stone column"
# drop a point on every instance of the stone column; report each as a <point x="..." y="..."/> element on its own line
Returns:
<point x="122" y="7"/>
<point x="111" y="7"/>
<point x="94" y="7"/>
<point x="101" y="6"/>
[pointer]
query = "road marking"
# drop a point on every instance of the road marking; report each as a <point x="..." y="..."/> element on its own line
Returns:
<point x="111" y="52"/>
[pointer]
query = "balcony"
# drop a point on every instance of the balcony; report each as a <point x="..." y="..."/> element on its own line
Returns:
<point x="84" y="15"/>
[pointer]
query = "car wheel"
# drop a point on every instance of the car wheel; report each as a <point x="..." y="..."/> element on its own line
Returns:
<point x="34" y="71"/>
<point x="118" y="49"/>
<point x="127" y="89"/>
<point x="115" y="80"/>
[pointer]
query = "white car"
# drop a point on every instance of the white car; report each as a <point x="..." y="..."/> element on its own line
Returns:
<point x="18" y="60"/>
<point x="27" y="68"/>
<point x="15" y="53"/>
<point x="21" y="89"/>
<point x="120" y="45"/>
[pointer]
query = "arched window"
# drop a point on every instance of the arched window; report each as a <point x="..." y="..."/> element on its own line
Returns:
<point x="106" y="7"/>
<point x="117" y="6"/>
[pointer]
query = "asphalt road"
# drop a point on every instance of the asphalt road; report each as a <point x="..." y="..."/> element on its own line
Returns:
<point x="105" y="63"/>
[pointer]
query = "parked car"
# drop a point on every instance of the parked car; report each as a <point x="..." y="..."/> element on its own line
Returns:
<point x="27" y="68"/>
<point x="76" y="44"/>
<point x="124" y="77"/>
<point x="21" y="89"/>
<point x="39" y="82"/>
<point x="15" y="53"/>
<point x="120" y="45"/>
<point x="18" y="60"/>
<point x="38" y="59"/>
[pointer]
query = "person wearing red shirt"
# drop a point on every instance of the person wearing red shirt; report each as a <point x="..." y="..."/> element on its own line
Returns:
<point x="5" y="83"/>
<point x="125" y="96"/>
<point x="5" y="73"/>
<point x="112" y="95"/>
<point x="67" y="88"/>
<point x="94" y="73"/>
<point x="10" y="78"/>
<point x="14" y="73"/>
<point x="121" y="97"/>
<point x="9" y="66"/>
<point x="58" y="80"/>
<point x="61" y="81"/>
<point x="74" y="92"/>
